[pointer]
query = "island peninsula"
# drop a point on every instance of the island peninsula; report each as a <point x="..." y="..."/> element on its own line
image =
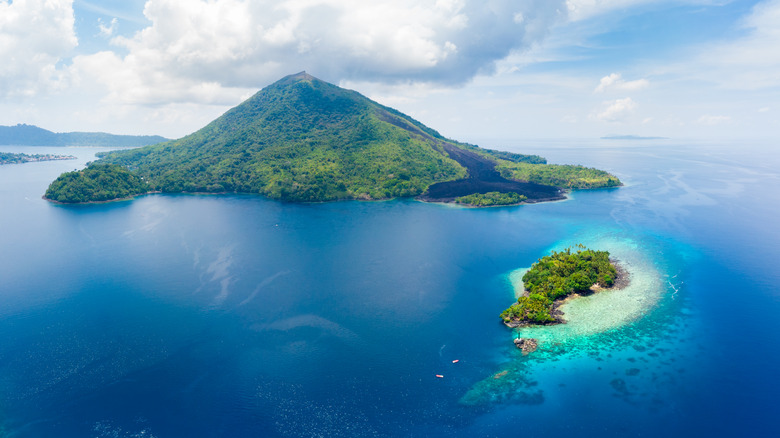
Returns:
<point x="18" y="158"/>
<point x="302" y="139"/>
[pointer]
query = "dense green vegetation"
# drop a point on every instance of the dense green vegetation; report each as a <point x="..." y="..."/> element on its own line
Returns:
<point x="555" y="277"/>
<point x="490" y="199"/>
<point x="516" y="158"/>
<point x="13" y="158"/>
<point x="563" y="176"/>
<point x="302" y="139"/>
<point x="29" y="135"/>
<point x="97" y="182"/>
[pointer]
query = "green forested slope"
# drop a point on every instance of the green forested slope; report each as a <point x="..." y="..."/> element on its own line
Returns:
<point x="559" y="175"/>
<point x="97" y="183"/>
<point x="300" y="139"/>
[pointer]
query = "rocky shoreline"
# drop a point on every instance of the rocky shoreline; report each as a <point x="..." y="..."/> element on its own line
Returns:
<point x="526" y="345"/>
<point x="483" y="177"/>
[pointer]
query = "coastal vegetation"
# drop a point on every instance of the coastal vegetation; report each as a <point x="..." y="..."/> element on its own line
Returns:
<point x="305" y="140"/>
<point x="14" y="158"/>
<point x="98" y="182"/>
<point x="491" y="199"/>
<point x="563" y="176"/>
<point x="506" y="156"/>
<point x="552" y="278"/>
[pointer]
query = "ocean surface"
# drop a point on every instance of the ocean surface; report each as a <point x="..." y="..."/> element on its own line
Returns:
<point x="237" y="316"/>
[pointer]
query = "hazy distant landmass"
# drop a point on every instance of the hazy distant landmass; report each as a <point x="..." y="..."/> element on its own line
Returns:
<point x="631" y="137"/>
<point x="30" y="135"/>
<point x="305" y="140"/>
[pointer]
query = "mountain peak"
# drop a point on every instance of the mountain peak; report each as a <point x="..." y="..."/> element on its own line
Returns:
<point x="296" y="78"/>
<point x="302" y="76"/>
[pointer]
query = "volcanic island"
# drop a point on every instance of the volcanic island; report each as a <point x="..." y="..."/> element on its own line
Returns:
<point x="302" y="139"/>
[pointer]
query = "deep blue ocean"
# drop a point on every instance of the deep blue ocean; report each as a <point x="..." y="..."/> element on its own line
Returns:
<point x="237" y="316"/>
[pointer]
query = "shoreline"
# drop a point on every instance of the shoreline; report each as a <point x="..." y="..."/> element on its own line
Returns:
<point x="107" y="201"/>
<point x="622" y="281"/>
<point x="451" y="201"/>
<point x="418" y="198"/>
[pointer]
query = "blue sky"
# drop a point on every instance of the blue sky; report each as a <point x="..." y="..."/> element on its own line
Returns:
<point x="474" y="70"/>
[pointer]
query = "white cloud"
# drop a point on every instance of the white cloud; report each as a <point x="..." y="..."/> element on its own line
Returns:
<point x="107" y="31"/>
<point x="751" y="62"/>
<point x="397" y="94"/>
<point x="710" y="120"/>
<point x="615" y="82"/>
<point x="193" y="59"/>
<point x="616" y="110"/>
<point x="126" y="86"/>
<point x="215" y="49"/>
<point x="34" y="36"/>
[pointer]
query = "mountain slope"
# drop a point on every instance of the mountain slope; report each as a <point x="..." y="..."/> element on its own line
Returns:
<point x="303" y="139"/>
<point x="30" y="135"/>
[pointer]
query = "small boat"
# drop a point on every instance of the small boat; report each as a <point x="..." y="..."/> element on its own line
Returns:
<point x="456" y="361"/>
<point x="440" y="376"/>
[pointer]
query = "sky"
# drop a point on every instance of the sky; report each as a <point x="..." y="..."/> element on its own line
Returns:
<point x="473" y="70"/>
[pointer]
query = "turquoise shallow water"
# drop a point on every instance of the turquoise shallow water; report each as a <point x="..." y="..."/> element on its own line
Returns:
<point x="205" y="316"/>
<point x="609" y="309"/>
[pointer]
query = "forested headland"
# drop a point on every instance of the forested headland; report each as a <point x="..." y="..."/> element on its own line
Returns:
<point x="98" y="182"/>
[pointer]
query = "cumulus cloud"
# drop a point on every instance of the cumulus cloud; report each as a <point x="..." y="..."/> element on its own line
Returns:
<point x="615" y="82"/>
<point x="616" y="110"/>
<point x="211" y="51"/>
<point x="106" y="30"/>
<point x="34" y="36"/>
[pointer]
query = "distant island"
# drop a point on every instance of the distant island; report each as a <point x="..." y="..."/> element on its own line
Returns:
<point x="552" y="279"/>
<point x="632" y="137"/>
<point x="305" y="140"/>
<point x="30" y="135"/>
<point x="12" y="158"/>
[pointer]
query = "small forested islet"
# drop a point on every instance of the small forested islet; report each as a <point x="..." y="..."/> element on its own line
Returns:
<point x="553" y="278"/>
